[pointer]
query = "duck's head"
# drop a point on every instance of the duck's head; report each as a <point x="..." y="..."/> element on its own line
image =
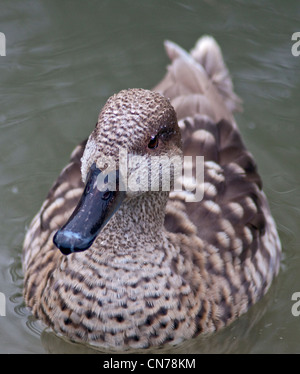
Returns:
<point x="121" y="161"/>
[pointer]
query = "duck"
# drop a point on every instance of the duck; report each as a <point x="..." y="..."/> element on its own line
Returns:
<point x="110" y="262"/>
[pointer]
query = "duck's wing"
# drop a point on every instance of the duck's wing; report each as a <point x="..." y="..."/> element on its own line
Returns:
<point x="233" y="218"/>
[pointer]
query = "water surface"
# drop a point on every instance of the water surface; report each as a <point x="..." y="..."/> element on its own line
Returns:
<point x="64" y="58"/>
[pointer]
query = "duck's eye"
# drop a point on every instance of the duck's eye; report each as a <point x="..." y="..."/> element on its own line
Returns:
<point x="153" y="142"/>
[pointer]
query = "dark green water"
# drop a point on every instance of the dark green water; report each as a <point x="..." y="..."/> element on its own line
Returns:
<point x="64" y="58"/>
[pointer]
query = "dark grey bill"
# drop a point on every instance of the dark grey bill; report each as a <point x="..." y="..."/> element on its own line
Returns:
<point x="93" y="211"/>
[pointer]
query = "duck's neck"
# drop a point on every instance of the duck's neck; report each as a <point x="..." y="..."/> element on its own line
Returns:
<point x="137" y="226"/>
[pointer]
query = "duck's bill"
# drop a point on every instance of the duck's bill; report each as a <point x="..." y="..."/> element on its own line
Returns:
<point x="92" y="213"/>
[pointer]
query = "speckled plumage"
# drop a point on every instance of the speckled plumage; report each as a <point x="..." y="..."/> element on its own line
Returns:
<point x="162" y="270"/>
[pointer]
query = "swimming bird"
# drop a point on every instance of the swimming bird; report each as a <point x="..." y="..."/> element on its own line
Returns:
<point x="112" y="262"/>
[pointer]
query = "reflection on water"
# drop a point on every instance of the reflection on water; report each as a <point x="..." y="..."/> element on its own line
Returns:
<point x="65" y="58"/>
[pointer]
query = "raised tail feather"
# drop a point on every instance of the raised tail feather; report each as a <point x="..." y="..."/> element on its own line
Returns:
<point x="195" y="77"/>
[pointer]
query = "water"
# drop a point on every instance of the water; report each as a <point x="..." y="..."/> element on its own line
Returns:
<point x="63" y="59"/>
